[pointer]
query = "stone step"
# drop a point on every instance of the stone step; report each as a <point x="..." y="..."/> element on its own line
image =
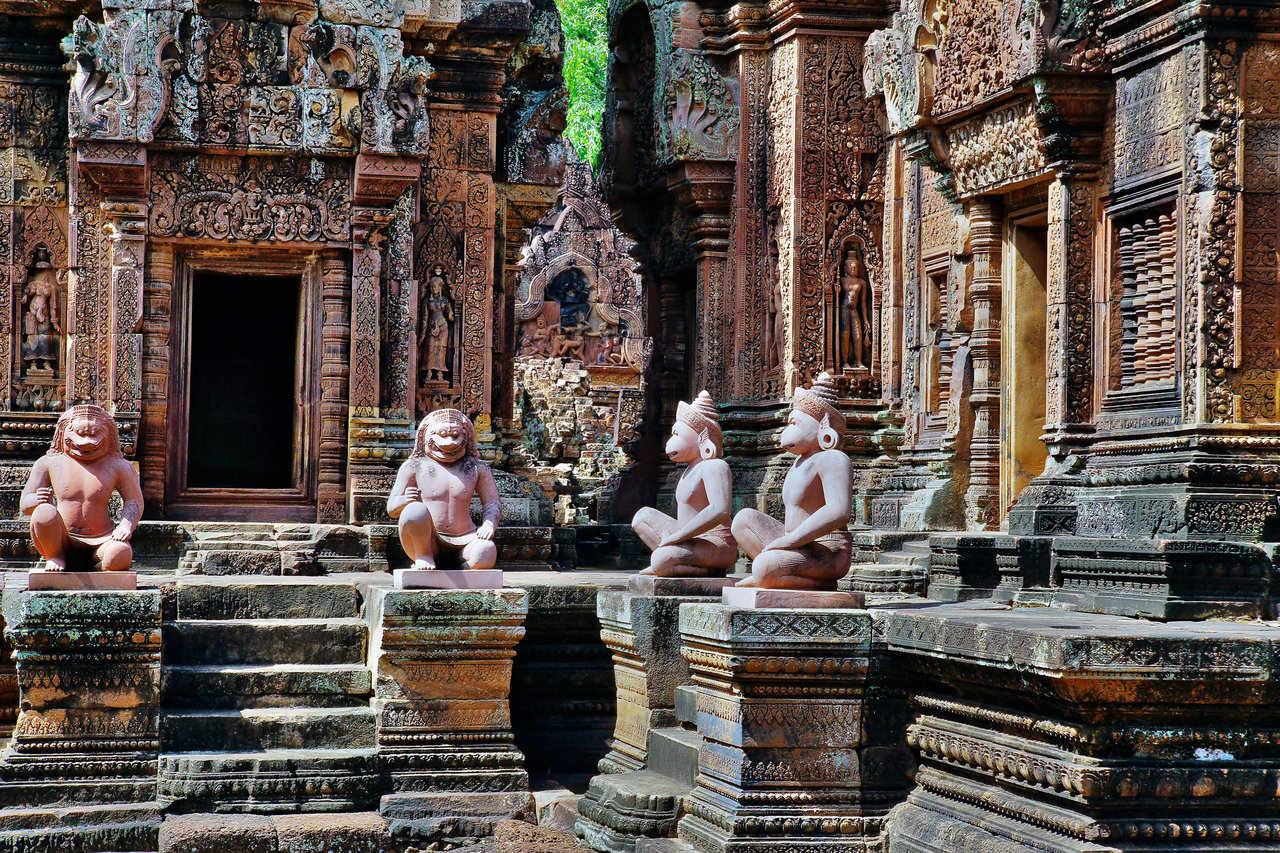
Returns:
<point x="663" y="845"/>
<point x="673" y="752"/>
<point x="266" y="598"/>
<point x="263" y="686"/>
<point x="117" y="828"/>
<point x="195" y="642"/>
<point x="273" y="781"/>
<point x="257" y="729"/>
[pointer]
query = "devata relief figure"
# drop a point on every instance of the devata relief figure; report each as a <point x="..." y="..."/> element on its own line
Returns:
<point x="854" y="312"/>
<point x="70" y="487"/>
<point x="697" y="542"/>
<point x="432" y="496"/>
<point x="812" y="548"/>
<point x="437" y="328"/>
<point x="41" y="322"/>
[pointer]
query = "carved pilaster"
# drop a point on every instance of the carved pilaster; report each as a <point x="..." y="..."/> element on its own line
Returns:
<point x="126" y="229"/>
<point x="982" y="499"/>
<point x="335" y="334"/>
<point x="705" y="188"/>
<point x="1069" y="297"/>
<point x="153" y="435"/>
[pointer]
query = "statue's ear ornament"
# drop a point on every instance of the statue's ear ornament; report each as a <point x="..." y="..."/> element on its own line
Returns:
<point x="828" y="438"/>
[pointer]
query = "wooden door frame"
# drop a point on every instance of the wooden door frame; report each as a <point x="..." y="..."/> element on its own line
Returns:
<point x="298" y="503"/>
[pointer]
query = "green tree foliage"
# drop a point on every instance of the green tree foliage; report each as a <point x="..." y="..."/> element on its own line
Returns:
<point x="586" y="39"/>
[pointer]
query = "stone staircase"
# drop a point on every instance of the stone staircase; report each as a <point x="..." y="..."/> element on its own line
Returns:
<point x="892" y="564"/>
<point x="624" y="811"/>
<point x="266" y="697"/>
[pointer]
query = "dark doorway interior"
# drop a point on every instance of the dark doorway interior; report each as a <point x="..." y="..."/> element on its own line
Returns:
<point x="244" y="341"/>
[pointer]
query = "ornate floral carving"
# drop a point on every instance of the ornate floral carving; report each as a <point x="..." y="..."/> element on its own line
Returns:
<point x="251" y="198"/>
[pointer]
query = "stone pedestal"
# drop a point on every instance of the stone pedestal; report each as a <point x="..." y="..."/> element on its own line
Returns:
<point x="1048" y="732"/>
<point x="653" y="755"/>
<point x="442" y="677"/>
<point x="786" y="763"/>
<point x="83" y="758"/>
<point x="643" y="633"/>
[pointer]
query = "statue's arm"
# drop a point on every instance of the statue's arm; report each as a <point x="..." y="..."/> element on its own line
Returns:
<point x="487" y="488"/>
<point x="401" y="496"/>
<point x="39" y="488"/>
<point x="131" y="493"/>
<point x="834" y="514"/>
<point x="717" y="484"/>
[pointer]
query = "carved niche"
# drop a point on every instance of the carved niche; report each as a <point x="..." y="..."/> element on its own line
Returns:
<point x="579" y="295"/>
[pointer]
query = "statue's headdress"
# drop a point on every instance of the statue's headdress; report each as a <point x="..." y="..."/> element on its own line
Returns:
<point x="701" y="416"/>
<point x="819" y="402"/>
<point x="452" y="417"/>
<point x="85" y="410"/>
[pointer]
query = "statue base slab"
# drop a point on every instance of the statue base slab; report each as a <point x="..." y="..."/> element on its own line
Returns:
<point x="668" y="587"/>
<point x="448" y="579"/>
<point x="755" y="598"/>
<point x="38" y="581"/>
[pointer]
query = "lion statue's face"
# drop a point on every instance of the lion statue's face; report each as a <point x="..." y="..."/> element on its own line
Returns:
<point x="446" y="442"/>
<point x="87" y="438"/>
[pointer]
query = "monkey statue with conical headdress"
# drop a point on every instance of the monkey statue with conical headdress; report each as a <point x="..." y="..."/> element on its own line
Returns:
<point x="698" y="541"/>
<point x="811" y="548"/>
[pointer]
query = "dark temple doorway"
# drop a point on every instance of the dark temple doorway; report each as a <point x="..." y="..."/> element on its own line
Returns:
<point x="243" y="381"/>
<point x="241" y="426"/>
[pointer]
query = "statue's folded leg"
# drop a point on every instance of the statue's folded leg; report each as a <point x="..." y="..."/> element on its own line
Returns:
<point x="418" y="535"/>
<point x="49" y="533"/>
<point x="113" y="556"/>
<point x="754" y="530"/>
<point x="479" y="554"/>
<point x="652" y="526"/>
<point x="781" y="569"/>
<point x="829" y="557"/>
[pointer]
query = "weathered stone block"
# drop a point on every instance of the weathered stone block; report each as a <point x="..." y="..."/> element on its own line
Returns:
<point x="1163" y="579"/>
<point x="1089" y="732"/>
<point x="643" y="633"/>
<point x="782" y="709"/>
<point x="442" y="663"/>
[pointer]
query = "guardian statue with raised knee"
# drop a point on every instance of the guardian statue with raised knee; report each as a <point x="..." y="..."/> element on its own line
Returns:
<point x="69" y="492"/>
<point x="432" y="495"/>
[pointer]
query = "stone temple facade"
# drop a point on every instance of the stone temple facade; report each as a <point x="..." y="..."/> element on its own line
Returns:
<point x="1035" y="244"/>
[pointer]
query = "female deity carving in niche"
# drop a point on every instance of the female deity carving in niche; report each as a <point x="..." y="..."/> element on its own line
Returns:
<point x="775" y="321"/>
<point x="41" y="320"/>
<point x="437" y="330"/>
<point x="853" y="312"/>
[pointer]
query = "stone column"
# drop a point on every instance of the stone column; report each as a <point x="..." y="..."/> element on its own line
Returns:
<point x="126" y="227"/>
<point x="335" y="305"/>
<point x="705" y="188"/>
<point x="1047" y="505"/>
<point x="442" y="668"/>
<point x="982" y="500"/>
<point x="651" y="763"/>
<point x="788" y="761"/>
<point x="88" y="730"/>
